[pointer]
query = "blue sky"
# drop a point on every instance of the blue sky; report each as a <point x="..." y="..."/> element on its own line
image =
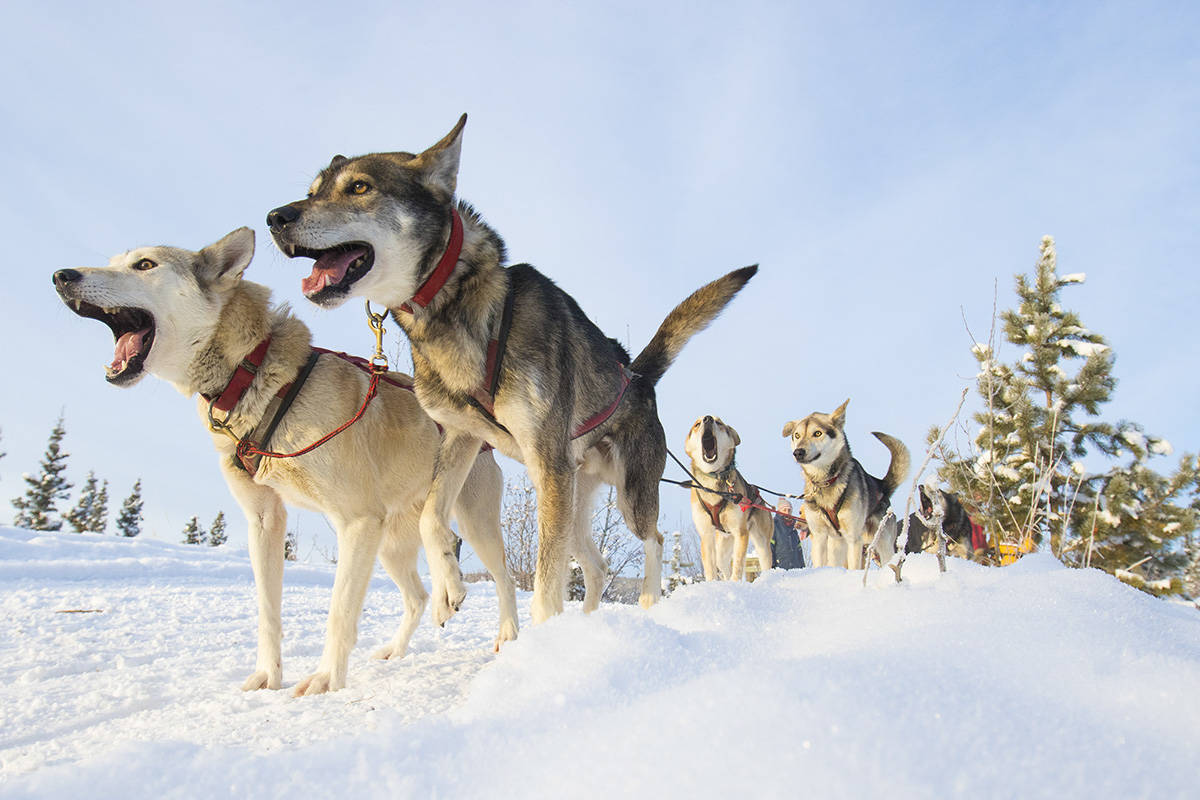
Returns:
<point x="887" y="167"/>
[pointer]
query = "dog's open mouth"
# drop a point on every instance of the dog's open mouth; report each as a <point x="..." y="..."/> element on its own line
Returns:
<point x="133" y="332"/>
<point x="708" y="444"/>
<point x="335" y="270"/>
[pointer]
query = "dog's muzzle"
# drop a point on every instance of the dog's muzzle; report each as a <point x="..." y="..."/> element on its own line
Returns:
<point x="64" y="276"/>
<point x="799" y="454"/>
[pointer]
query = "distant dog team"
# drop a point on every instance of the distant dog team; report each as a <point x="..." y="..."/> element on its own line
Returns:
<point x="501" y="356"/>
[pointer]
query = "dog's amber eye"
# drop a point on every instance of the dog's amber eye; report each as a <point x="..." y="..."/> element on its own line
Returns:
<point x="816" y="434"/>
<point x="360" y="187"/>
<point x="144" y="264"/>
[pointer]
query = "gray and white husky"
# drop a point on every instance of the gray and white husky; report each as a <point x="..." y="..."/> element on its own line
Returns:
<point x="501" y="353"/>
<point x="843" y="505"/>
<point x="189" y="318"/>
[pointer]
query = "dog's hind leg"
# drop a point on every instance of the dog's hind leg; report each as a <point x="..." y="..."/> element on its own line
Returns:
<point x="267" y="523"/>
<point x="583" y="546"/>
<point x="454" y="460"/>
<point x="398" y="553"/>
<point x="358" y="543"/>
<point x="477" y="510"/>
<point x="555" y="482"/>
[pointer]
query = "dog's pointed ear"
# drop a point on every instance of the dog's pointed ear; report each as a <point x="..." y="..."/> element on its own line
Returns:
<point x="223" y="262"/>
<point x="439" y="163"/>
<point x="337" y="161"/>
<point x="687" y="447"/>
<point x="839" y="414"/>
<point x="736" y="439"/>
<point x="788" y="427"/>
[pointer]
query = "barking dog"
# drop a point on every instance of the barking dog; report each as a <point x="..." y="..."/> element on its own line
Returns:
<point x="961" y="535"/>
<point x="501" y="354"/>
<point x="842" y="503"/>
<point x="189" y="318"/>
<point x="725" y="529"/>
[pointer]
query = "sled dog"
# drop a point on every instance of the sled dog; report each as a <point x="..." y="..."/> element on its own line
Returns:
<point x="725" y="529"/>
<point x="842" y="503"/>
<point x="501" y="354"/>
<point x="189" y="318"/>
<point x="955" y="522"/>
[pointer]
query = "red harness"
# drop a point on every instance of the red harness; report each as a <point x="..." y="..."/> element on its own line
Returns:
<point x="483" y="397"/>
<point x="249" y="454"/>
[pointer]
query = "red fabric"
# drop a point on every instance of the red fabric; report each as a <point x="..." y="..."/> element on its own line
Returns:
<point x="437" y="278"/>
<point x="243" y="376"/>
<point x="978" y="539"/>
<point x="595" y="421"/>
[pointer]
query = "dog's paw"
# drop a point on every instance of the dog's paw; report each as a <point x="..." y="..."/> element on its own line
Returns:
<point x="390" y="651"/>
<point x="263" y="679"/>
<point x="447" y="600"/>
<point x="318" y="683"/>
<point x="647" y="599"/>
<point x="508" y="632"/>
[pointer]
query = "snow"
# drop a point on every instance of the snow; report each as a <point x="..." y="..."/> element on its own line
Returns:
<point x="1074" y="277"/>
<point x="1161" y="447"/>
<point x="1082" y="348"/>
<point x="1027" y="681"/>
<point x="1135" y="438"/>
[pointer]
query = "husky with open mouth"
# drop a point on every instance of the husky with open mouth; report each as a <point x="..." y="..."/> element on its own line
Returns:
<point x="189" y="318"/>
<point x="501" y="353"/>
<point x="725" y="529"/>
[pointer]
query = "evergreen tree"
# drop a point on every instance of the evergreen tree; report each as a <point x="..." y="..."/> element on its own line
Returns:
<point x="193" y="533"/>
<point x="98" y="518"/>
<point x="290" y="547"/>
<point x="216" y="531"/>
<point x="1026" y="481"/>
<point x="37" y="509"/>
<point x="81" y="516"/>
<point x="129" y="521"/>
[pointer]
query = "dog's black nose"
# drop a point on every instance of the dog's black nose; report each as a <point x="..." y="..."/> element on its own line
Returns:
<point x="282" y="216"/>
<point x="707" y="420"/>
<point x="798" y="453"/>
<point x="65" y="276"/>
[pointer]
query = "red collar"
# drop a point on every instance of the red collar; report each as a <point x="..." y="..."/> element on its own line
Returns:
<point x="243" y="376"/>
<point x="437" y="278"/>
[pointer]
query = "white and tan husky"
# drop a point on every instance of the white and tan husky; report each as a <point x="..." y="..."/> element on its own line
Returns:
<point x="189" y="318"/>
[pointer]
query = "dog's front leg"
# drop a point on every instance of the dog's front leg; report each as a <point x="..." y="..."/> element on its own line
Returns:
<point x="554" y="480"/>
<point x="454" y="460"/>
<point x="358" y="543"/>
<point x="266" y="528"/>
<point x="741" y="543"/>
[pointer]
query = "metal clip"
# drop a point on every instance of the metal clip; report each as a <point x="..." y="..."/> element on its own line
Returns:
<point x="379" y="361"/>
<point x="220" y="425"/>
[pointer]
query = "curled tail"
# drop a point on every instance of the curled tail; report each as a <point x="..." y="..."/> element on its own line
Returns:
<point x="898" y="469"/>
<point x="686" y="320"/>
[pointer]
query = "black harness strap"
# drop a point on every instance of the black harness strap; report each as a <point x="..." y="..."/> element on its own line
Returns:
<point x="251" y="463"/>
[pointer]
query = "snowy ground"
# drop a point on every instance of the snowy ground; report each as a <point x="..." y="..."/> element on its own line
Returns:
<point x="1030" y="681"/>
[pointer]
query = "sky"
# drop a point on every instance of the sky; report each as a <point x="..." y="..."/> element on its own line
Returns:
<point x="890" y="168"/>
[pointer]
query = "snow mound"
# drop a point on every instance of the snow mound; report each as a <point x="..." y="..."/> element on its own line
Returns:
<point x="1028" y="681"/>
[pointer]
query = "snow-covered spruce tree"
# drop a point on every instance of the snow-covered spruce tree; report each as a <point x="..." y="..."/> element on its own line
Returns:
<point x="1026" y="481"/>
<point x="38" y="508"/>
<point x="129" y="521"/>
<point x="98" y="517"/>
<point x="193" y="533"/>
<point x="216" y="531"/>
<point x="80" y="517"/>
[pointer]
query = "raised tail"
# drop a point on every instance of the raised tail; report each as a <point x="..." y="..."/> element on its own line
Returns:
<point x="686" y="320"/>
<point x="898" y="469"/>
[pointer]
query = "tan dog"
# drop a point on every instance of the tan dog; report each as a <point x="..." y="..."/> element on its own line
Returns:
<point x="843" y="505"/>
<point x="189" y="318"/>
<point x="725" y="529"/>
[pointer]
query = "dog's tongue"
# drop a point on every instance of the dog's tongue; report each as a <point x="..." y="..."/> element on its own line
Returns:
<point x="128" y="346"/>
<point x="330" y="268"/>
